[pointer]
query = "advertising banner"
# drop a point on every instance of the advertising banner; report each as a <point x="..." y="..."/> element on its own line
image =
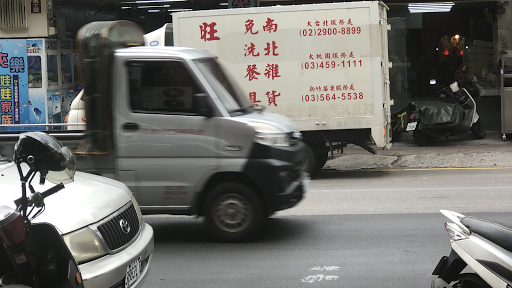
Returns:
<point x="36" y="82"/>
<point x="13" y="83"/>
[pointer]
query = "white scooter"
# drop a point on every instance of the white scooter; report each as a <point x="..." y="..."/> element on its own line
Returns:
<point x="482" y="245"/>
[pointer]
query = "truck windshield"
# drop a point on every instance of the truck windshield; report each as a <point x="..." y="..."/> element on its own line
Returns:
<point x="227" y="91"/>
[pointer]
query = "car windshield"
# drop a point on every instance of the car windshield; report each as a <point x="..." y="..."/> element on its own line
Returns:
<point x="228" y="92"/>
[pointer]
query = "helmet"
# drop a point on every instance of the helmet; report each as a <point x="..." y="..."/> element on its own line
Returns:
<point x="46" y="155"/>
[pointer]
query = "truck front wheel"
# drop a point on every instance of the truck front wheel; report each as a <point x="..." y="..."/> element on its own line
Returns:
<point x="233" y="212"/>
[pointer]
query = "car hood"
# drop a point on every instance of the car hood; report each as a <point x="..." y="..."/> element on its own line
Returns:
<point x="280" y="121"/>
<point x="87" y="200"/>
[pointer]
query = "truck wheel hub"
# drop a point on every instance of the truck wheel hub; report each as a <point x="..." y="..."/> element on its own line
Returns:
<point x="233" y="213"/>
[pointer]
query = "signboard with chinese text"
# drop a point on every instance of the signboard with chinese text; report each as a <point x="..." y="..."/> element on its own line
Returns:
<point x="312" y="63"/>
<point x="13" y="83"/>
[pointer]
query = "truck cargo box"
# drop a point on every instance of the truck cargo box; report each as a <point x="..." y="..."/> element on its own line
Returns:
<point x="325" y="66"/>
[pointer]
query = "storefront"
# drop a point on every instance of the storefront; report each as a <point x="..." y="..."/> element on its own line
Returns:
<point x="432" y="44"/>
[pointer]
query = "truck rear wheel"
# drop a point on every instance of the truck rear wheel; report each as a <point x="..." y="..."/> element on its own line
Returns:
<point x="309" y="161"/>
<point x="233" y="212"/>
<point x="321" y="159"/>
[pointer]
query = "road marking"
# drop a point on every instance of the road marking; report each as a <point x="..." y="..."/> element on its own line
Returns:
<point x="411" y="189"/>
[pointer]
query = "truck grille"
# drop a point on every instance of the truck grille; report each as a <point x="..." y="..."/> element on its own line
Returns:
<point x="113" y="233"/>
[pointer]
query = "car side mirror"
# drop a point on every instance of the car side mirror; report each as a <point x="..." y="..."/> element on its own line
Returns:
<point x="201" y="105"/>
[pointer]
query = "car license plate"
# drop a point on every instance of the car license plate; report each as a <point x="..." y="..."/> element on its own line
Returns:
<point x="132" y="273"/>
<point x="411" y="126"/>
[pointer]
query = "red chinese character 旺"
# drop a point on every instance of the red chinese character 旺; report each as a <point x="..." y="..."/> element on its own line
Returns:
<point x="249" y="25"/>
<point x="272" y="97"/>
<point x="4" y="60"/>
<point x="240" y="3"/>
<point x="272" y="71"/>
<point x="5" y="107"/>
<point x="249" y="50"/>
<point x="274" y="47"/>
<point x="351" y="55"/>
<point x="6" y="119"/>
<point x="251" y="72"/>
<point x="252" y="97"/>
<point x="270" y="26"/>
<point x="208" y="31"/>
<point x="352" y="87"/>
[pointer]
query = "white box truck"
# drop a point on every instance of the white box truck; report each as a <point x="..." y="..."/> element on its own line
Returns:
<point x="325" y="66"/>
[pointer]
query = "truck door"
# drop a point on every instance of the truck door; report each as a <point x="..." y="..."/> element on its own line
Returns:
<point x="159" y="137"/>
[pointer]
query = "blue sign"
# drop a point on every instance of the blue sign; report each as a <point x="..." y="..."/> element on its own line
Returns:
<point x="154" y="43"/>
<point x="13" y="83"/>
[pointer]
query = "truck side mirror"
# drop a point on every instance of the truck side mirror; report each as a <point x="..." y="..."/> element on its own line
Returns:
<point x="201" y="105"/>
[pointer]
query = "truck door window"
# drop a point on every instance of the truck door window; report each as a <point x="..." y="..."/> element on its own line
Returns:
<point x="161" y="87"/>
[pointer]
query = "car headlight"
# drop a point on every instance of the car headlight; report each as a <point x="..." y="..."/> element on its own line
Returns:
<point x="85" y="245"/>
<point x="269" y="135"/>
<point x="137" y="208"/>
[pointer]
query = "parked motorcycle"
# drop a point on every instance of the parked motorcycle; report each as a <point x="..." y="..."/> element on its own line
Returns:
<point x="440" y="119"/>
<point x="482" y="245"/>
<point x="35" y="254"/>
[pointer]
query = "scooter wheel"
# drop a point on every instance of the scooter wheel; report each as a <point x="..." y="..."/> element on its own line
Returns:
<point x="421" y="138"/>
<point x="478" y="129"/>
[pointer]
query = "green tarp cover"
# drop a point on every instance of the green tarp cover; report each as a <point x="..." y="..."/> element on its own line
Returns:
<point x="97" y="42"/>
<point x="434" y="112"/>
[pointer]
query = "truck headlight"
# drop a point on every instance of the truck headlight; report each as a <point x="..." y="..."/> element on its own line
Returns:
<point x="270" y="135"/>
<point x="85" y="245"/>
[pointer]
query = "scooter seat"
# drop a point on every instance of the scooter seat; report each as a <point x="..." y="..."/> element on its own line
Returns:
<point x="491" y="231"/>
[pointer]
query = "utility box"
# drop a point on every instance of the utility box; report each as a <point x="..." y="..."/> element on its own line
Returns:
<point x="506" y="95"/>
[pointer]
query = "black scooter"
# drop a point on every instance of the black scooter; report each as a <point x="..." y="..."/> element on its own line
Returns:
<point x="440" y="119"/>
<point x="35" y="255"/>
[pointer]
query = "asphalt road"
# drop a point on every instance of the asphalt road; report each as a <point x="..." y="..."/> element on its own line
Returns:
<point x="354" y="229"/>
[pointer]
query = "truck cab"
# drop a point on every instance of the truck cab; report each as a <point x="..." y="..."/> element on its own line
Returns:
<point x="187" y="142"/>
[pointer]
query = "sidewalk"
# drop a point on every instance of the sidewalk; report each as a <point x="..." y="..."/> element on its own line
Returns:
<point x="462" y="151"/>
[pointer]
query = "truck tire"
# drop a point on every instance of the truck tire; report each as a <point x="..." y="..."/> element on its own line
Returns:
<point x="321" y="159"/>
<point x="309" y="161"/>
<point x="478" y="130"/>
<point x="421" y="138"/>
<point x="233" y="212"/>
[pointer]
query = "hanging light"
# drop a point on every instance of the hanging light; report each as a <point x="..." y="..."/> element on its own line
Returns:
<point x="430" y="7"/>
